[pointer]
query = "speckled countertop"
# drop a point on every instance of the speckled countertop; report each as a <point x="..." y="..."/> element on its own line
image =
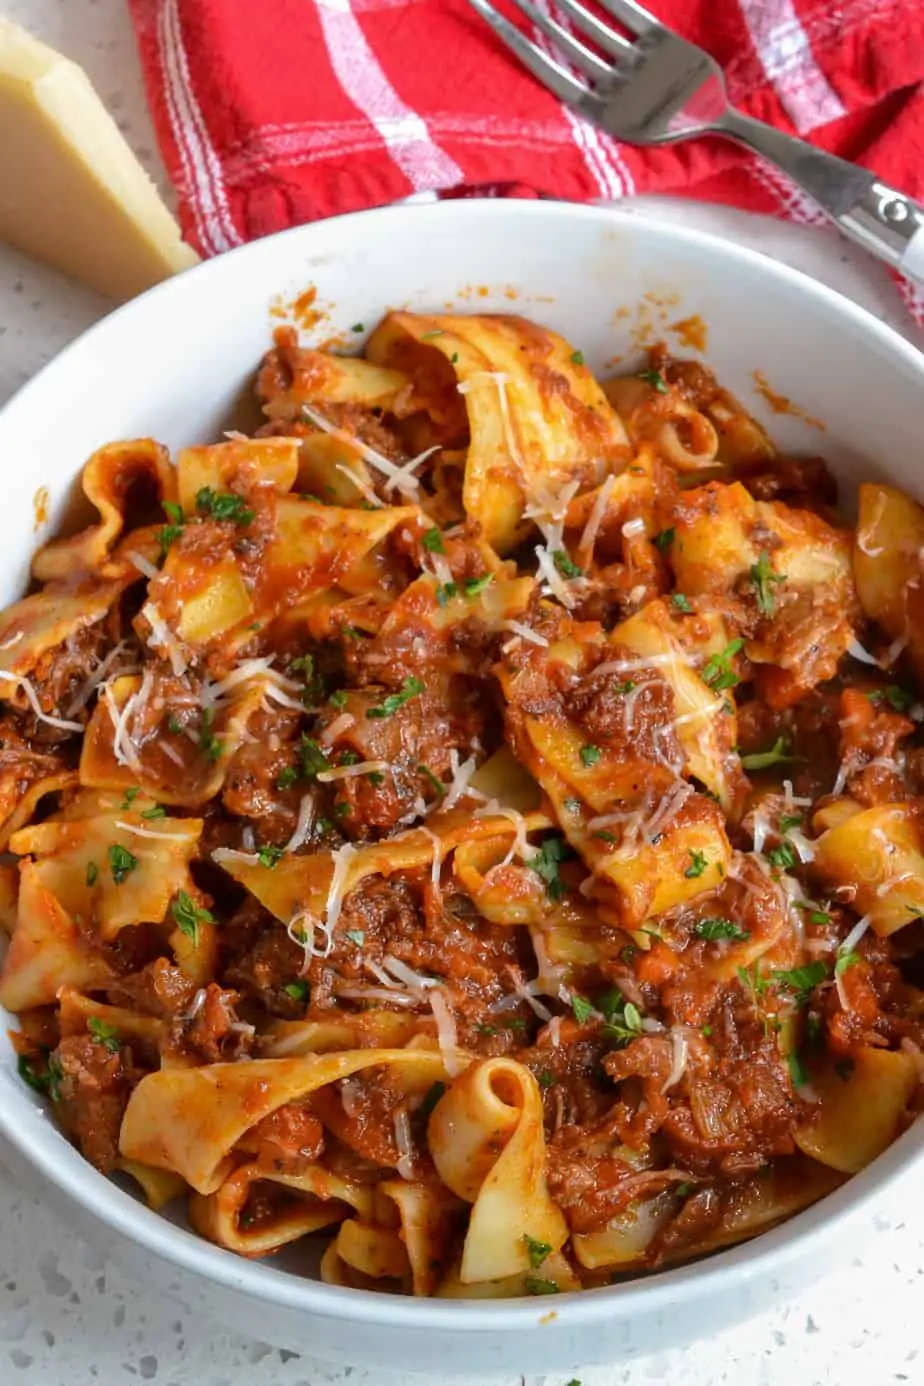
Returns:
<point x="67" y="1318"/>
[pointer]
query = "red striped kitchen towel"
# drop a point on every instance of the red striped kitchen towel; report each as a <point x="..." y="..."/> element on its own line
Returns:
<point x="276" y="112"/>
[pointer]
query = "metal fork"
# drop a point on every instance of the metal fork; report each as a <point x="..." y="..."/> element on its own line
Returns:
<point x="660" y="88"/>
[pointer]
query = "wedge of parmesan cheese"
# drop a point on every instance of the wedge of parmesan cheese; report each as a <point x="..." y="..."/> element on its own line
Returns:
<point x="72" y="192"/>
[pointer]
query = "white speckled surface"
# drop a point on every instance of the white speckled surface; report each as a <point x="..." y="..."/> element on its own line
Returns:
<point x="69" y="1319"/>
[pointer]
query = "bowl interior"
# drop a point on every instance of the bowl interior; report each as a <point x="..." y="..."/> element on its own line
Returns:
<point x="175" y="363"/>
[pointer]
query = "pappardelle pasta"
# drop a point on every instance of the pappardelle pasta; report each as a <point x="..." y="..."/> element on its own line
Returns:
<point x="476" y="818"/>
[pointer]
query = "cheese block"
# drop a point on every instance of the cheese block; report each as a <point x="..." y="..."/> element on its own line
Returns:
<point x="72" y="192"/>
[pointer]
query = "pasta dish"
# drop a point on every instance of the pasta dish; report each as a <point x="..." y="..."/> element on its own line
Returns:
<point x="477" y="818"/>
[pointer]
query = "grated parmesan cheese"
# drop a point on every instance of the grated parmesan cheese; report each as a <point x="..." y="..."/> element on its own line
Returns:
<point x="405" y="1164"/>
<point x="25" y="684"/>
<point x="347" y="772"/>
<point x="632" y="528"/>
<point x="409" y="485"/>
<point x="342" y="858"/>
<point x="459" y="784"/>
<point x="138" y="831"/>
<point x="595" y="518"/>
<point x="303" y="825"/>
<point x="143" y="565"/>
<point x="362" y="486"/>
<point x="520" y="847"/>
<point x="162" y="636"/>
<point x="526" y="632"/>
<point x="93" y="680"/>
<point x="340" y="724"/>
<point x="446" y="1035"/>
<point x="680" y="1050"/>
<point x="857" y="651"/>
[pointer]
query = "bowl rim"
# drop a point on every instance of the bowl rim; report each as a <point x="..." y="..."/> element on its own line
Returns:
<point x="25" y="1124"/>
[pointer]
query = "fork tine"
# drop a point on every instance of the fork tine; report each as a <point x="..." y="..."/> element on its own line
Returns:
<point x="594" y="28"/>
<point x="573" y="49"/>
<point x="550" y="73"/>
<point x="634" y="17"/>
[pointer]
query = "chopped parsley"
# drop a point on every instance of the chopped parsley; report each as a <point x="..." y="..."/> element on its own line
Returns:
<point x="536" y="1285"/>
<point x="358" y="327"/>
<point x="572" y="805"/>
<point x="717" y="927"/>
<point x="783" y="856"/>
<point x="433" y="540"/>
<point x="188" y="915"/>
<point x="223" y="505"/>
<point x="789" y="820"/>
<point x="698" y="863"/>
<point x="174" y="725"/>
<point x="157" y="811"/>
<point x="375" y="778"/>
<point x="590" y="755"/>
<point x="603" y="836"/>
<point x="130" y="796"/>
<point x="426" y="336"/>
<point x="546" y="862"/>
<point x="764" y="579"/>
<point x="357" y="936"/>
<point x="815" y="916"/>
<point x="623" y="1021"/>
<point x="583" y="1010"/>
<point x="338" y="699"/>
<point x="105" y="1034"/>
<point x="475" y="585"/>
<point x="545" y="1079"/>
<point x="92" y="873"/>
<point x="312" y="758"/>
<point x="435" y="782"/>
<point x="664" y="540"/>
<point x="297" y="991"/>
<point x="411" y="688"/>
<point x="121" y="862"/>
<point x="47" y="1084"/>
<point x="717" y="670"/>
<point x="170" y="533"/>
<point x="565" y="565"/>
<point x="270" y="856"/>
<point x="681" y="602"/>
<point x="446" y="591"/>
<point x="845" y="960"/>
<point x="287" y="777"/>
<point x="655" y="379"/>
<point x="796" y="1068"/>
<point x="537" y="1251"/>
<point x="577" y="358"/>
<point x="899" y="699"/>
<point x="801" y="981"/>
<point x="433" y="1095"/>
<point x="210" y="744"/>
<point x="778" y="754"/>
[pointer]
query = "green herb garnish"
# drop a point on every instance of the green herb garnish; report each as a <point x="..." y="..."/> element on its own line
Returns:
<point x="537" y="1251"/>
<point x="583" y="1010"/>
<point x="655" y="379"/>
<point x="223" y="505"/>
<point x="681" y="602"/>
<point x="105" y="1034"/>
<point x="778" y="754"/>
<point x="433" y="540"/>
<point x="590" y="755"/>
<point x="718" y="927"/>
<point x="411" y="688"/>
<point x="565" y="565"/>
<point x="764" y="579"/>
<point x="717" y="671"/>
<point x="188" y="915"/>
<point x="121" y="862"/>
<point x="698" y="863"/>
<point x="546" y="862"/>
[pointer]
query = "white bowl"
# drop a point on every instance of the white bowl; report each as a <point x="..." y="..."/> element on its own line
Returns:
<point x="173" y="364"/>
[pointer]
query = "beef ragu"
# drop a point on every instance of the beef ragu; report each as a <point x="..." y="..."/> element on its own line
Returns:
<point x="478" y="819"/>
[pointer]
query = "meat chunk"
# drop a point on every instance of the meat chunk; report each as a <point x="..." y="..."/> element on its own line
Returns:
<point x="92" y="1093"/>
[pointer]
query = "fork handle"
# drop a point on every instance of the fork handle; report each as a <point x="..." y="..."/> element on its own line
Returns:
<point x="883" y="220"/>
